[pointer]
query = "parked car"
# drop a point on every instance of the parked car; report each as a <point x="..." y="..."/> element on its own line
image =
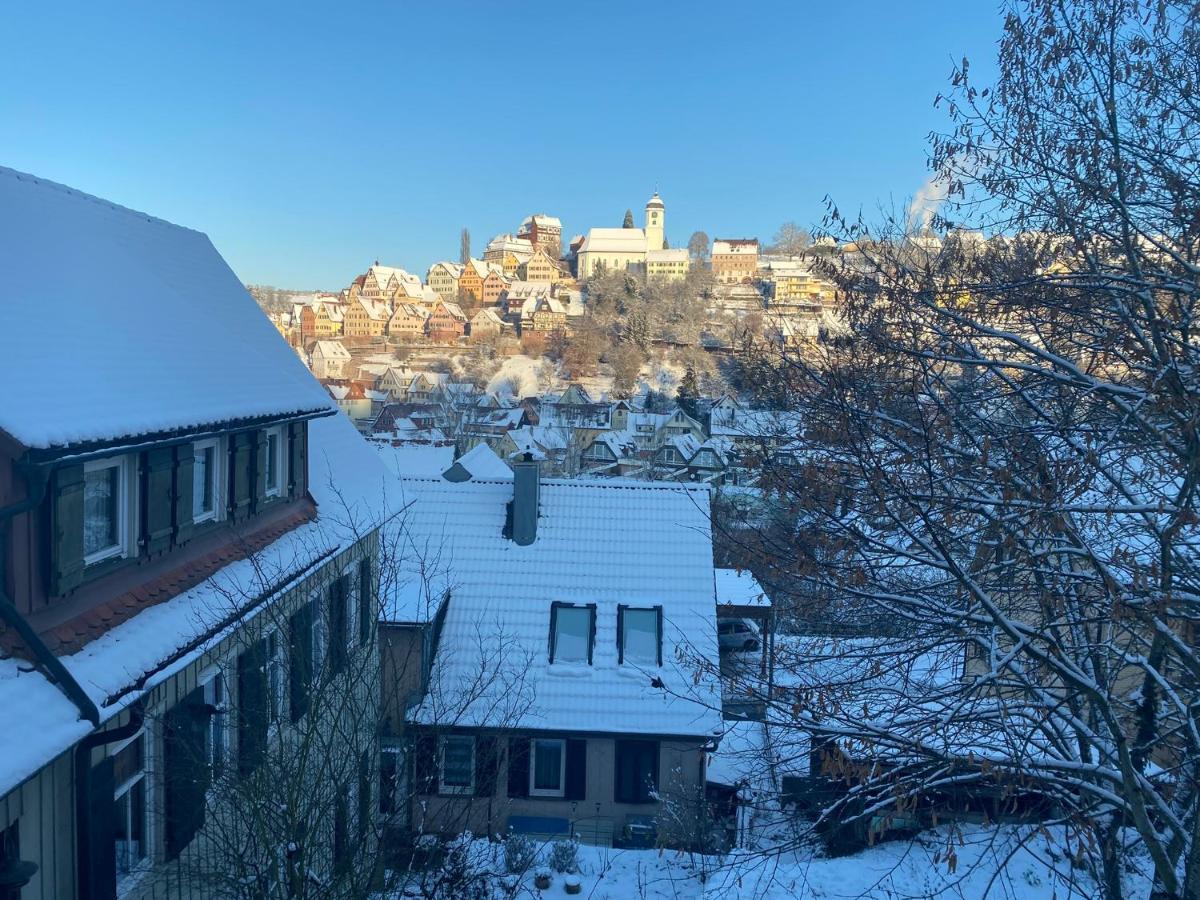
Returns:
<point x="737" y="634"/>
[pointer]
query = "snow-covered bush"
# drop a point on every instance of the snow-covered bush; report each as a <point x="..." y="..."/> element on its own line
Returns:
<point x="564" y="856"/>
<point x="462" y="875"/>
<point x="519" y="853"/>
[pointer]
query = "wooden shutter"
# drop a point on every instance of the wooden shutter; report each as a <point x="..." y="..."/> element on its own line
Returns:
<point x="241" y="460"/>
<point x="487" y="765"/>
<point x="300" y="638"/>
<point x="251" y="708"/>
<point x="67" y="515"/>
<point x="338" y="636"/>
<point x="258" y="457"/>
<point x="366" y="606"/>
<point x="364" y="795"/>
<point x="297" y="459"/>
<point x="97" y="841"/>
<point x="186" y="775"/>
<point x="518" y="767"/>
<point x="576" y="775"/>
<point x="184" y="463"/>
<point x="158" y="501"/>
<point x="425" y="763"/>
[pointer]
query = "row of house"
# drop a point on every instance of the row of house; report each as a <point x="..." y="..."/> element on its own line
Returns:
<point x="237" y="647"/>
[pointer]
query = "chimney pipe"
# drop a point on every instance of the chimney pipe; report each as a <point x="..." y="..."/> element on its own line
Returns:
<point x="526" y="487"/>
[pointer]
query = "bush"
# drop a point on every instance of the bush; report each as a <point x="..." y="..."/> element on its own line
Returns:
<point x="564" y="856"/>
<point x="519" y="853"/>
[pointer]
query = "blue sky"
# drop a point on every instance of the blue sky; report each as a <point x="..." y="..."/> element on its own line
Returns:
<point x="308" y="139"/>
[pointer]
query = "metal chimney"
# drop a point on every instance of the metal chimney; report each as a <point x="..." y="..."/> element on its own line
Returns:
<point x="526" y="487"/>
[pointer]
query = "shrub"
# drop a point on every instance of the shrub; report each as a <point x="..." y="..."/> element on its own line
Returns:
<point x="564" y="856"/>
<point x="519" y="853"/>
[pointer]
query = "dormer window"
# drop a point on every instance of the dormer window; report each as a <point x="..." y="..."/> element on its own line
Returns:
<point x="572" y="632"/>
<point x="639" y="635"/>
<point x="275" y="444"/>
<point x="105" y="510"/>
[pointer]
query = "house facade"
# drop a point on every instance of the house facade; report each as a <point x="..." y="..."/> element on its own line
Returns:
<point x="179" y="599"/>
<point x="543" y="232"/>
<point x="446" y="324"/>
<point x="329" y="359"/>
<point x="443" y="277"/>
<point x="366" y="317"/>
<point x="582" y="619"/>
<point x="734" y="260"/>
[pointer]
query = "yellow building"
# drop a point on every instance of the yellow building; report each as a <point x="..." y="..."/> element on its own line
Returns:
<point x="443" y="278"/>
<point x="667" y="265"/>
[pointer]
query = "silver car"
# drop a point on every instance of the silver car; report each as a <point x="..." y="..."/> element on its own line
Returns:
<point x="737" y="634"/>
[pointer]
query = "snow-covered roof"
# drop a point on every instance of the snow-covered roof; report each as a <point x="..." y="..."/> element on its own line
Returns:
<point x="739" y="588"/>
<point x="487" y="316"/>
<point x="520" y="290"/>
<point x="364" y="496"/>
<point x="415" y="460"/>
<point x="482" y="463"/>
<point x="542" y="220"/>
<point x="739" y="246"/>
<point x="375" y="309"/>
<point x="156" y="331"/>
<point x="331" y="350"/>
<point x="676" y="255"/>
<point x="605" y="542"/>
<point x="614" y="240"/>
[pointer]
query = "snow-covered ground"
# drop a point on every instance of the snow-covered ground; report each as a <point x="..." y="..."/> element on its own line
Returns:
<point x="967" y="863"/>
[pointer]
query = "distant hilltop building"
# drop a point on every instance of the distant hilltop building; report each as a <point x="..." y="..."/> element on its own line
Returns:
<point x="734" y="260"/>
<point x="543" y="231"/>
<point x="621" y="249"/>
<point x="509" y="252"/>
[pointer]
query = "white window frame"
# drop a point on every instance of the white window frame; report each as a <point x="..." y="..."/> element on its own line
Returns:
<point x="124" y="498"/>
<point x="218" y="499"/>
<point x="208" y="681"/>
<point x="469" y="788"/>
<point x="273" y="667"/>
<point x="278" y="432"/>
<point x="561" y="790"/>
<point x="122" y="790"/>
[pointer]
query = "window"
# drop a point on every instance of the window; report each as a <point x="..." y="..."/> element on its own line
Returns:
<point x="547" y="768"/>
<point x="274" y="474"/>
<point x="366" y="606"/>
<point x="572" y="632"/>
<point x="129" y="800"/>
<point x="217" y="737"/>
<point x="636" y="778"/>
<point x="457" y="771"/>
<point x="640" y="635"/>
<point x="339" y="630"/>
<point x="105" y="510"/>
<point x="206" y="481"/>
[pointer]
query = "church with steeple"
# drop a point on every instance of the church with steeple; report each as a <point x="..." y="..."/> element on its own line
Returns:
<point x="625" y="249"/>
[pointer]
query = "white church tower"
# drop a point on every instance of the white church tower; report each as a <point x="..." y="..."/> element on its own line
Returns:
<point x="656" y="214"/>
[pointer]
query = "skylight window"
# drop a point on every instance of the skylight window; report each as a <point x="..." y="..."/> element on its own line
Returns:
<point x="572" y="632"/>
<point x="640" y="633"/>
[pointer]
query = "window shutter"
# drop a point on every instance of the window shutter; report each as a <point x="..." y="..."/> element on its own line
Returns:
<point x="297" y="457"/>
<point x="258" y="456"/>
<point x="659" y="615"/>
<point x="425" y="763"/>
<point x="240" y="471"/>
<point x="337" y="624"/>
<point x="518" y="767"/>
<point x="184" y="462"/>
<point x="300" y="637"/>
<point x="252" y="708"/>
<point x="67" y="563"/>
<point x="576" y="775"/>
<point x="97" y="859"/>
<point x="186" y="774"/>
<point x="486" y="765"/>
<point x="157" y="500"/>
<point x="366" y="605"/>
<point x="364" y="795"/>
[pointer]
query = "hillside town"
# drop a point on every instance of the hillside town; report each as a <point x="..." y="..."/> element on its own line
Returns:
<point x="860" y="560"/>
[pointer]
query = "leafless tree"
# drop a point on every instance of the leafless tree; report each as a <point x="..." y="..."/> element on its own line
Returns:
<point x="1000" y="464"/>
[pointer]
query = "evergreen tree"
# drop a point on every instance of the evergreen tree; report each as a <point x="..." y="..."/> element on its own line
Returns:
<point x="688" y="395"/>
<point x="628" y="223"/>
<point x="464" y="247"/>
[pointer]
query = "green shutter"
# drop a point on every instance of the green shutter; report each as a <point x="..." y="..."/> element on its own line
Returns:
<point x="251" y="708"/>
<point x="184" y="460"/>
<point x="296" y="459"/>
<point x="241" y="461"/>
<point x="259" y="472"/>
<point x="157" y="499"/>
<point x="300" y="674"/>
<point x="67" y="515"/>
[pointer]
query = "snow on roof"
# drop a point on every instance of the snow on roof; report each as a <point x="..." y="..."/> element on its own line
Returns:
<point x="415" y="460"/>
<point x="481" y="462"/>
<point x="677" y="255"/>
<point x="739" y="588"/>
<point x="735" y="245"/>
<point x="741" y="758"/>
<point x="375" y="309"/>
<point x="543" y="221"/>
<point x="614" y="240"/>
<point x="134" y="652"/>
<point x="331" y="350"/>
<point x="525" y="289"/>
<point x="604" y="542"/>
<point x="162" y="334"/>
